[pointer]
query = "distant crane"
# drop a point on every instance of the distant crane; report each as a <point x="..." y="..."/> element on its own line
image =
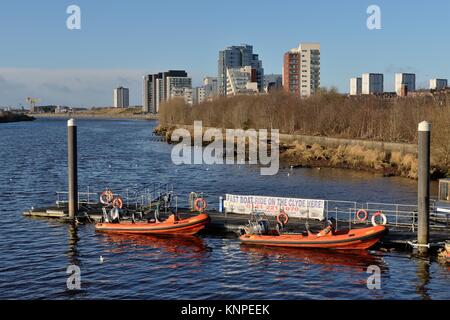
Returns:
<point x="32" y="102"/>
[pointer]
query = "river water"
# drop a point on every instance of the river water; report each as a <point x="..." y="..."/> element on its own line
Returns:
<point x="35" y="253"/>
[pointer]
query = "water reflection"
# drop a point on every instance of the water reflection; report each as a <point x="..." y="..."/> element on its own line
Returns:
<point x="169" y="244"/>
<point x="199" y="271"/>
<point x="73" y="253"/>
<point x="423" y="275"/>
<point x="358" y="260"/>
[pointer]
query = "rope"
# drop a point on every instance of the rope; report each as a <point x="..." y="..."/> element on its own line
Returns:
<point x="417" y="245"/>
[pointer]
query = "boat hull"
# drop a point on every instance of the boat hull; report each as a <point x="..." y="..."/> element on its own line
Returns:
<point x="188" y="226"/>
<point x="356" y="239"/>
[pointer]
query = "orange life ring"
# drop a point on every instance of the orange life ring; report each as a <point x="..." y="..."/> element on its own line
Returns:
<point x="106" y="197"/>
<point x="198" y="207"/>
<point x="286" y="218"/>
<point x="364" y="218"/>
<point x="118" y="202"/>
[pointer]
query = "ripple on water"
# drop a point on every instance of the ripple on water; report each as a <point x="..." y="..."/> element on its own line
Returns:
<point x="35" y="253"/>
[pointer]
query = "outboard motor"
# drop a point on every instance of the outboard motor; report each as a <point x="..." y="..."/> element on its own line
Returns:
<point x="331" y="223"/>
<point x="256" y="225"/>
<point x="261" y="227"/>
<point x="166" y="198"/>
<point x="105" y="215"/>
<point x="114" y="215"/>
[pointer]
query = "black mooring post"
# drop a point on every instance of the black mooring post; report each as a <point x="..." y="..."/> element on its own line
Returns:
<point x="423" y="190"/>
<point x="72" y="167"/>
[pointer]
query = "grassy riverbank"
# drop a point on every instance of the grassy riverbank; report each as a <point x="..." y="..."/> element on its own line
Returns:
<point x="295" y="153"/>
<point x="105" y="113"/>
<point x="331" y="115"/>
<point x="6" y="116"/>
<point x="353" y="157"/>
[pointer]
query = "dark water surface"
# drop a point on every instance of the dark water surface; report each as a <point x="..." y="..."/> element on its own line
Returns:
<point x="34" y="254"/>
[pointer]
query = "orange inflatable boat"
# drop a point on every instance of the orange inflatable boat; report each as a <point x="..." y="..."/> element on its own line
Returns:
<point x="355" y="239"/>
<point x="172" y="225"/>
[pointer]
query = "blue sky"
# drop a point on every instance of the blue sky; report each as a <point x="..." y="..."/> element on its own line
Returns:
<point x="119" y="41"/>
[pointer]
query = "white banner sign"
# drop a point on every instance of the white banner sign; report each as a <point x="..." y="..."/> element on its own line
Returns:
<point x="301" y="208"/>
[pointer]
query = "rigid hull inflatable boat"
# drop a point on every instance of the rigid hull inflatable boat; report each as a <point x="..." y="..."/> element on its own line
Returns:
<point x="355" y="239"/>
<point x="171" y="225"/>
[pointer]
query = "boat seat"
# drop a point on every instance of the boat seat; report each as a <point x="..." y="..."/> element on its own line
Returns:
<point x="321" y="233"/>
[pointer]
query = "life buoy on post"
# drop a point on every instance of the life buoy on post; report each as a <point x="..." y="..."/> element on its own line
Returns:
<point x="118" y="202"/>
<point x="282" y="218"/>
<point x="383" y="218"/>
<point x="106" y="197"/>
<point x="363" y="218"/>
<point x="199" y="207"/>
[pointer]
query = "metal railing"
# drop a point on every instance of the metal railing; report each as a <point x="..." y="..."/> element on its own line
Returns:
<point x="148" y="197"/>
<point x="397" y="215"/>
<point x="86" y="198"/>
<point x="138" y="200"/>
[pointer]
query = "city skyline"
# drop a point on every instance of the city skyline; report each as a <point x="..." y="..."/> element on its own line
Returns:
<point x="45" y="60"/>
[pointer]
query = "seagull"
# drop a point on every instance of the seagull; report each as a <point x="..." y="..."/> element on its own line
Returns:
<point x="101" y="259"/>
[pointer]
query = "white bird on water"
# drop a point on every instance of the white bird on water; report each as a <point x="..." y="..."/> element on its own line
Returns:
<point x="101" y="259"/>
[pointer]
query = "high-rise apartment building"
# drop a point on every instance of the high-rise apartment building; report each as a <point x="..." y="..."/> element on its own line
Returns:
<point x="291" y="72"/>
<point x="372" y="83"/>
<point x="185" y="93"/>
<point x="404" y="83"/>
<point x="211" y="85"/>
<point x="176" y="83"/>
<point x="237" y="57"/>
<point x="355" y="86"/>
<point x="199" y="95"/>
<point x="301" y="70"/>
<point x="156" y="88"/>
<point x="121" y="97"/>
<point x="149" y="92"/>
<point x="438" y="84"/>
<point x="241" y="81"/>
